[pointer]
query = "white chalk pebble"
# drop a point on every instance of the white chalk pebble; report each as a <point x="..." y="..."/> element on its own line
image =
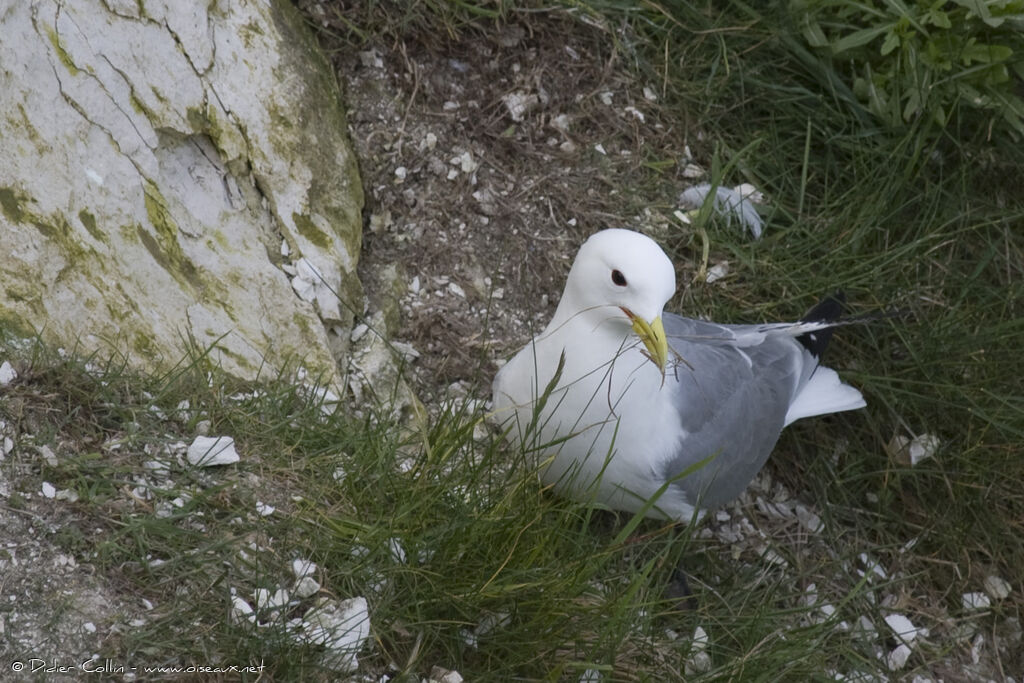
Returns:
<point x="302" y="568"/>
<point x="206" y="451"/>
<point x="997" y="587"/>
<point x="903" y="628"/>
<point x="975" y="601"/>
<point x="241" y="611"/>
<point x="897" y="659"/>
<point x="7" y="373"/>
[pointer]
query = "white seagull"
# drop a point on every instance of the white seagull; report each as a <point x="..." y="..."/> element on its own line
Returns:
<point x="634" y="409"/>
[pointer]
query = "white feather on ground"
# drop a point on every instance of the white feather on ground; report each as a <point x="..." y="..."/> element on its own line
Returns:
<point x="729" y="202"/>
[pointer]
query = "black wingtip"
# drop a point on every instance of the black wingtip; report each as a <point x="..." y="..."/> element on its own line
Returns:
<point x="827" y="310"/>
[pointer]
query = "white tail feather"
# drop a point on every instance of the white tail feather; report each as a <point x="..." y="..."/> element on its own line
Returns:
<point x="824" y="393"/>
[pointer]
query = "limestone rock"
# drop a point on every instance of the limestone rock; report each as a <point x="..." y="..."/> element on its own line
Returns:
<point x="156" y="157"/>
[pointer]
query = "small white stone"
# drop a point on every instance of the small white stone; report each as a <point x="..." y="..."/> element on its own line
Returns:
<point x="7" y="373"/>
<point x="975" y="601"/>
<point x="278" y="599"/>
<point x="902" y="627"/>
<point x="599" y="148"/>
<point x="519" y="104"/>
<point x="48" y="490"/>
<point x="264" y="599"/>
<point x="996" y="587"/>
<point x="89" y="627"/>
<point x="371" y="59"/>
<point x="430" y="141"/>
<point x="301" y="567"/>
<point x="469" y="638"/>
<point x="897" y="659"/>
<point x="697" y="664"/>
<point x="717" y="272"/>
<point x="976" y="646"/>
<point x="637" y="114"/>
<point x="442" y="675"/>
<point x="157" y="467"/>
<point x="70" y="495"/>
<point x="407" y="350"/>
<point x="342" y="628"/>
<point x="48" y="455"/>
<point x="606" y="98"/>
<point x="771" y="556"/>
<point x="397" y="551"/>
<point x="456" y="290"/>
<point x="693" y="171"/>
<point x="873" y="565"/>
<point x="358" y="331"/>
<point x="400" y="174"/>
<point x="465" y="162"/>
<point x="306" y="587"/>
<point x="649" y="94"/>
<point x="590" y="676"/>
<point x="263" y="509"/>
<point x="866" y="627"/>
<point x="206" y="451"/>
<point x="241" y="611"/>
<point x="699" y="639"/>
<point x="682" y="217"/>
<point x="908" y="451"/>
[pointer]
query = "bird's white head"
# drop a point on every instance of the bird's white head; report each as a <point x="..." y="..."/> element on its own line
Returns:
<point x="621" y="275"/>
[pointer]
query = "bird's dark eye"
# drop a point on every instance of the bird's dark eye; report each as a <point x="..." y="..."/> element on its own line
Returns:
<point x="618" y="278"/>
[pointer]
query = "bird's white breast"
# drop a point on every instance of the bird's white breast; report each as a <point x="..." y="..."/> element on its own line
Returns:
<point x="612" y="401"/>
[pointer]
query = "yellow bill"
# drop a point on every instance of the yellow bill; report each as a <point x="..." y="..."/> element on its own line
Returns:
<point x="653" y="336"/>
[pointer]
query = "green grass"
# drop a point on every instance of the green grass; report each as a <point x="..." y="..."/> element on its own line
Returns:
<point x="897" y="218"/>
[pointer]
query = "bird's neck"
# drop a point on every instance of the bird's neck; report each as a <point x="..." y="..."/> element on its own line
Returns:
<point x="581" y="323"/>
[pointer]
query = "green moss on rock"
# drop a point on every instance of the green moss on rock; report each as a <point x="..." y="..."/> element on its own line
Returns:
<point x="308" y="229"/>
<point x="89" y="222"/>
<point x="164" y="247"/>
<point x="10" y="204"/>
<point x="62" y="53"/>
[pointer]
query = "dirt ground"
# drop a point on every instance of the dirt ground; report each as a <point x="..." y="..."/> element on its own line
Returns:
<point x="486" y="162"/>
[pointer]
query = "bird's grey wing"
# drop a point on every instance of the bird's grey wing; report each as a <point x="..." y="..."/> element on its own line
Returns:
<point x="732" y="387"/>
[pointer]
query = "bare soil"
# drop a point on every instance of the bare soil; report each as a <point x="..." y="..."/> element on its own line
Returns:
<point x="487" y="159"/>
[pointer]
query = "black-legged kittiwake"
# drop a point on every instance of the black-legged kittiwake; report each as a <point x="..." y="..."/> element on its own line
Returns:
<point x="653" y="406"/>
